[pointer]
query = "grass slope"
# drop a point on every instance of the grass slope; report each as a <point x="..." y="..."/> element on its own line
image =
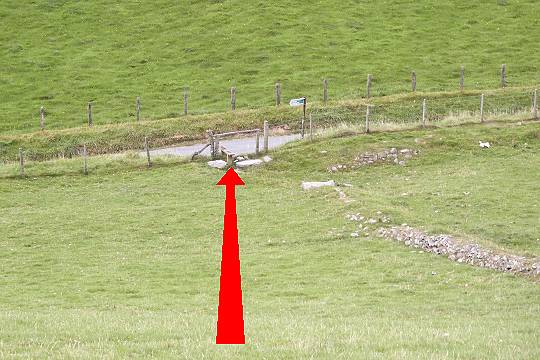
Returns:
<point x="126" y="263"/>
<point x="62" y="54"/>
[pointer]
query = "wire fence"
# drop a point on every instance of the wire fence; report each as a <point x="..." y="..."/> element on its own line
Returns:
<point x="437" y="110"/>
<point x="193" y="99"/>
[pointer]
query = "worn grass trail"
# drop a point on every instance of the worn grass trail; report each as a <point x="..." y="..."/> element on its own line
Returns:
<point x="126" y="264"/>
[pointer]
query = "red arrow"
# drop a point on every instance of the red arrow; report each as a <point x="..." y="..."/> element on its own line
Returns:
<point x="230" y="324"/>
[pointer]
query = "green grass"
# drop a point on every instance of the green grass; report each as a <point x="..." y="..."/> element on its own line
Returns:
<point x="125" y="262"/>
<point x="62" y="54"/>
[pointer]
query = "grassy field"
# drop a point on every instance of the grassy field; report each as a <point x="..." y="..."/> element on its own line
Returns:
<point x="125" y="262"/>
<point x="62" y="54"/>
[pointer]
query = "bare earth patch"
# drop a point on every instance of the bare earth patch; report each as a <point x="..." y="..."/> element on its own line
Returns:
<point x="470" y="253"/>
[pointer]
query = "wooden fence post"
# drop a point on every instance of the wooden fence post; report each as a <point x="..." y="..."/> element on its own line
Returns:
<point x="535" y="104"/>
<point x="42" y="118"/>
<point x="278" y="94"/>
<point x="367" y="119"/>
<point x="503" y="75"/>
<point x="325" y="91"/>
<point x="413" y="81"/>
<point x="85" y="161"/>
<point x="217" y="146"/>
<point x="90" y="116"/>
<point x="138" y="108"/>
<point x="462" y="78"/>
<point x="210" y="134"/>
<point x="424" y="112"/>
<point x="186" y="94"/>
<point x="257" y="136"/>
<point x="368" y="86"/>
<point x="233" y="98"/>
<point x="265" y="136"/>
<point x="147" y="149"/>
<point x="482" y="108"/>
<point x="310" y="128"/>
<point x="21" y="162"/>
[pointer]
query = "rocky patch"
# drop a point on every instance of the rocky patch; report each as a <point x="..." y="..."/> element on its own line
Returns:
<point x="472" y="254"/>
<point x="390" y="156"/>
<point x="365" y="223"/>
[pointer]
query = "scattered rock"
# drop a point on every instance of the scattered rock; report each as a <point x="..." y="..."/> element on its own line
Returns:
<point x="354" y="217"/>
<point x="472" y="254"/>
<point x="248" y="163"/>
<point x="354" y="234"/>
<point x="267" y="158"/>
<point x="218" y="164"/>
<point x="343" y="197"/>
<point x="308" y="185"/>
<point x="392" y="155"/>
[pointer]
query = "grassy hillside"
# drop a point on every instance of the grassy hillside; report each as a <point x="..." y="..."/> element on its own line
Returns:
<point x="125" y="262"/>
<point x="62" y="54"/>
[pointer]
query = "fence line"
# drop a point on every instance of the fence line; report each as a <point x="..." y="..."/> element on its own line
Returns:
<point x="424" y="113"/>
<point x="42" y="118"/>
<point x="147" y="149"/>
<point x="186" y="94"/>
<point x="85" y="161"/>
<point x="325" y="91"/>
<point x="21" y="162"/>
<point x="138" y="108"/>
<point x="482" y="108"/>
<point x="278" y="94"/>
<point x="233" y="98"/>
<point x="368" y="86"/>
<point x="535" y="104"/>
<point x="90" y="116"/>
<point x="367" y="120"/>
<point x="492" y="104"/>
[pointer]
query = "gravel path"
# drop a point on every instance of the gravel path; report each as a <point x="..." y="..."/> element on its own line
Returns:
<point x="240" y="146"/>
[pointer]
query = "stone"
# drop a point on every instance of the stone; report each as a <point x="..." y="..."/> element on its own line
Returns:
<point x="248" y="163"/>
<point x="484" y="144"/>
<point x="308" y="185"/>
<point x="354" y="234"/>
<point x="267" y="158"/>
<point x="218" y="164"/>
